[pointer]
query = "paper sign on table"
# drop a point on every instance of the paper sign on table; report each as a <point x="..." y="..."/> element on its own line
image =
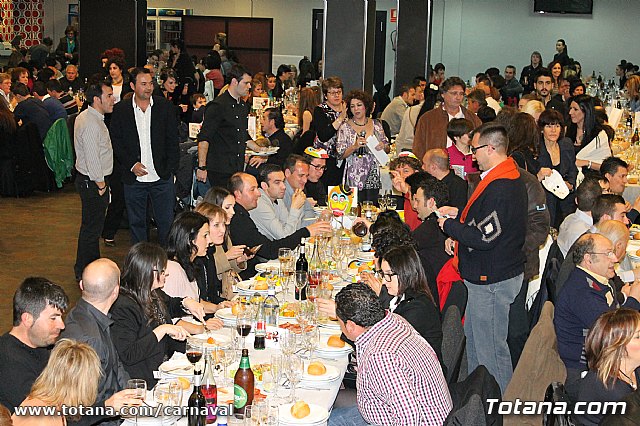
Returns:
<point x="381" y="156"/>
<point x="614" y="117"/>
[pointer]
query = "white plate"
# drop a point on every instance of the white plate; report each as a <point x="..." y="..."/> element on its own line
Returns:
<point x="331" y="374"/>
<point x="318" y="414"/>
<point x="365" y="256"/>
<point x="225" y="314"/>
<point x="169" y="368"/>
<point x="246" y="287"/>
<point x="219" y="338"/>
<point x="324" y="347"/>
<point x="334" y="325"/>
<point x="262" y="267"/>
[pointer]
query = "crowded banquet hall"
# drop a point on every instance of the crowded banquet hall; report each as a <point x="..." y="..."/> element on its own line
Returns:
<point x="321" y="212"/>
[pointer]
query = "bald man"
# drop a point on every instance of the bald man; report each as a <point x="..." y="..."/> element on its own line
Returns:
<point x="89" y="322"/>
<point x="436" y="163"/>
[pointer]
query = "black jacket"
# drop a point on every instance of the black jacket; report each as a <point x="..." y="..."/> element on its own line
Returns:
<point x="430" y="240"/>
<point x="285" y="144"/>
<point x="458" y="190"/>
<point x="424" y="316"/>
<point x="164" y="138"/>
<point x="244" y="231"/>
<point x="133" y="337"/>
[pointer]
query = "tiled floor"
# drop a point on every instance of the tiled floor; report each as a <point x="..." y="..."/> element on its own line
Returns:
<point x="38" y="237"/>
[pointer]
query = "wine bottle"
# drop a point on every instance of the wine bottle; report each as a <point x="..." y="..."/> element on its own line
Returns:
<point x="243" y="383"/>
<point x="635" y="138"/>
<point x="197" y="404"/>
<point x="210" y="390"/>
<point x="301" y="265"/>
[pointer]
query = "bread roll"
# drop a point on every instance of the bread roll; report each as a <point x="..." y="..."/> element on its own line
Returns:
<point x="636" y="236"/>
<point x="632" y="180"/>
<point x="235" y="308"/>
<point x="638" y="253"/>
<point x="261" y="285"/>
<point x="300" y="410"/>
<point x="335" y="342"/>
<point x="316" y="368"/>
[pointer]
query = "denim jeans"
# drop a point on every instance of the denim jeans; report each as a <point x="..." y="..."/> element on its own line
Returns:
<point x="486" y="326"/>
<point x="347" y="416"/>
<point x="163" y="199"/>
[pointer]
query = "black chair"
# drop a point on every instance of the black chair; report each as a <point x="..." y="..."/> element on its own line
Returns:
<point x="453" y="343"/>
<point x="479" y="385"/>
<point x="556" y="393"/>
<point x="548" y="290"/>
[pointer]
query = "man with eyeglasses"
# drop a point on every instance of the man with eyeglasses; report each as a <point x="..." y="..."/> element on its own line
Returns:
<point x="316" y="191"/>
<point x="586" y="294"/>
<point x="431" y="129"/>
<point x="490" y="232"/>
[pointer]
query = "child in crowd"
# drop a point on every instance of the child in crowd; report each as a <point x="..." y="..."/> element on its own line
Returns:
<point x="460" y="156"/>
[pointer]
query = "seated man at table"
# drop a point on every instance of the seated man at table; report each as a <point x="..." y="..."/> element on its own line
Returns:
<point x="38" y="305"/>
<point x="580" y="221"/>
<point x="614" y="171"/>
<point x="400" y="169"/>
<point x="586" y="294"/>
<point x="243" y="230"/>
<point x="316" y="190"/>
<point x="31" y="110"/>
<point x="296" y="173"/>
<point x="399" y="377"/>
<point x="271" y="216"/>
<point x="273" y="128"/>
<point x="436" y="163"/>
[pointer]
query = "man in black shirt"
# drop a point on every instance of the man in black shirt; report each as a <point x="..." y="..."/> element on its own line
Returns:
<point x="89" y="322"/>
<point x="38" y="305"/>
<point x="31" y="110"/>
<point x="243" y="230"/>
<point x="273" y="128"/>
<point x="70" y="81"/>
<point x="436" y="163"/>
<point x="222" y="141"/>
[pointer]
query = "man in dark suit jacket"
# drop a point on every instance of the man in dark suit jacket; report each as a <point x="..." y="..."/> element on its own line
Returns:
<point x="144" y="135"/>
<point x="243" y="230"/>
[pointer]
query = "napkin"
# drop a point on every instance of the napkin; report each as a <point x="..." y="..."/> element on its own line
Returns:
<point x="556" y="185"/>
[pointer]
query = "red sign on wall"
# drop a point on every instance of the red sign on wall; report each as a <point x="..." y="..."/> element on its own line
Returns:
<point x="393" y="16"/>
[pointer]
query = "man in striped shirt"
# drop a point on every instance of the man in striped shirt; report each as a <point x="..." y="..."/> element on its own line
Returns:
<point x="400" y="381"/>
<point x="94" y="163"/>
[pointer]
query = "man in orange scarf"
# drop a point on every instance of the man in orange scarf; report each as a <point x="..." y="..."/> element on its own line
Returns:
<point x="490" y="232"/>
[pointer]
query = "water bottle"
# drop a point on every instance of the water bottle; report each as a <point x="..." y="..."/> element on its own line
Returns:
<point x="271" y="308"/>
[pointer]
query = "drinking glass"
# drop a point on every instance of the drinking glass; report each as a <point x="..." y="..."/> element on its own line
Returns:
<point x="168" y="393"/>
<point x="311" y="340"/>
<point x="392" y="203"/>
<point x="294" y="370"/>
<point x="272" y="415"/>
<point x="272" y="277"/>
<point x="195" y="349"/>
<point x="226" y="356"/>
<point x="382" y="202"/>
<point x="288" y="342"/>
<point x="301" y="281"/>
<point x="243" y="324"/>
<point x="276" y="371"/>
<point x="140" y="385"/>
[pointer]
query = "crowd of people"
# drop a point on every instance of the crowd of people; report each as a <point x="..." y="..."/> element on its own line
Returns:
<point x="468" y="167"/>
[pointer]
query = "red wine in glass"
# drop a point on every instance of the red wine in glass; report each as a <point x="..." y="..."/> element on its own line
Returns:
<point x="244" y="329"/>
<point x="194" y="356"/>
<point x="360" y="229"/>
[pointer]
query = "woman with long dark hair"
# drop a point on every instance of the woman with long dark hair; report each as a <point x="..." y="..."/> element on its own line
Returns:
<point x="524" y="142"/>
<point x="229" y="260"/>
<point x="142" y="330"/>
<point x="589" y="137"/>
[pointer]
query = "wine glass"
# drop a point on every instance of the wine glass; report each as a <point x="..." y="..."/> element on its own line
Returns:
<point x="382" y="202"/>
<point x="226" y="356"/>
<point x="392" y="204"/>
<point x="301" y="282"/>
<point x="288" y="342"/>
<point x="168" y="393"/>
<point x="243" y="324"/>
<point x="194" y="351"/>
<point x="294" y="370"/>
<point x="311" y="340"/>
<point x="140" y="385"/>
<point x="276" y="371"/>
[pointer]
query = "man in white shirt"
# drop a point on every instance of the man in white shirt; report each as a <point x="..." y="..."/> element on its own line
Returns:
<point x="94" y="163"/>
<point x="273" y="219"/>
<point x="147" y="155"/>
<point x="580" y="221"/>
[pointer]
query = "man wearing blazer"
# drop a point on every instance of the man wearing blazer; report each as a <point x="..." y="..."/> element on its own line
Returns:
<point x="144" y="135"/>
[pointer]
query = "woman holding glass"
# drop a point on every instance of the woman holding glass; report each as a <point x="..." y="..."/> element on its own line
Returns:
<point x="589" y="137"/>
<point x="142" y="330"/>
<point x="328" y="118"/>
<point x="362" y="169"/>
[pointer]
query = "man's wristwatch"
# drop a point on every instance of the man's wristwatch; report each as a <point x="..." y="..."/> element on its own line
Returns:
<point x="202" y="167"/>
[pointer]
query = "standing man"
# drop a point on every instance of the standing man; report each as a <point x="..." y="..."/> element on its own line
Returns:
<point x="512" y="88"/>
<point x="431" y="129"/>
<point x="223" y="138"/>
<point x="38" y="305"/>
<point x="490" y="232"/>
<point x="89" y="322"/>
<point x="544" y="85"/>
<point x="94" y="163"/>
<point x="144" y="133"/>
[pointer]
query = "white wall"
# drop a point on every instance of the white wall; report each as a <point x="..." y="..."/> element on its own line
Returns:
<point x="469" y="36"/>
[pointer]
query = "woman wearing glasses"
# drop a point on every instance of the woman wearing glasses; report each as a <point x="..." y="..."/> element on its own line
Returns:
<point x="328" y="117"/>
<point x="142" y="330"/>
